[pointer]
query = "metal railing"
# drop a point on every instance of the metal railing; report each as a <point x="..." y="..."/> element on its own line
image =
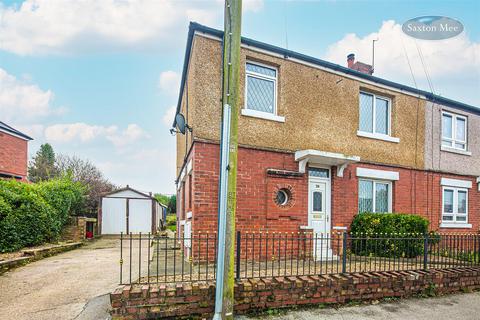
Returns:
<point x="145" y="258"/>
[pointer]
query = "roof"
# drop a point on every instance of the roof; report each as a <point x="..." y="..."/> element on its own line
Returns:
<point x="128" y="188"/>
<point x="196" y="27"/>
<point x="6" y="128"/>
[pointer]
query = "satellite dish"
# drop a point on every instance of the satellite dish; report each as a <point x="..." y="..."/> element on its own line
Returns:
<point x="180" y="121"/>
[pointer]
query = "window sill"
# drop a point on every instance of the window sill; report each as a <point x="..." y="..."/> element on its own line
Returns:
<point x="378" y="136"/>
<point x="456" y="225"/>
<point x="262" y="115"/>
<point x="457" y="151"/>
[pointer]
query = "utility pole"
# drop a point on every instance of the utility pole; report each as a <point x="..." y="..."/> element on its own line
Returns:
<point x="227" y="201"/>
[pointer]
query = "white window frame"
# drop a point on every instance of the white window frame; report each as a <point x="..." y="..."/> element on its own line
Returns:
<point x="454" y="139"/>
<point x="374" y="134"/>
<point x="256" y="113"/>
<point x="454" y="223"/>
<point x="375" y="181"/>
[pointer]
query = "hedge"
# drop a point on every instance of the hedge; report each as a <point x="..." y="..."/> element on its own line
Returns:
<point x="31" y="214"/>
<point x="389" y="234"/>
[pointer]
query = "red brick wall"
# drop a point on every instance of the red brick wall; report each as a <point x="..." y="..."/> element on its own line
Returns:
<point x="416" y="192"/>
<point x="256" y="209"/>
<point x="13" y="155"/>
<point x="197" y="300"/>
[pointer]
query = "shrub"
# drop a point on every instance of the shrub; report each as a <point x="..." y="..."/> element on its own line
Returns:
<point x="171" y="222"/>
<point x="31" y="214"/>
<point x="388" y="234"/>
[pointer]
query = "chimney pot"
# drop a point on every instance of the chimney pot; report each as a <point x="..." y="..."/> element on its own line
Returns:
<point x="350" y="60"/>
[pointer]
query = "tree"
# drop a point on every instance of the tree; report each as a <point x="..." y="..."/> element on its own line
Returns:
<point x="162" y="198"/>
<point x="85" y="172"/>
<point x="172" y="204"/>
<point x="42" y="167"/>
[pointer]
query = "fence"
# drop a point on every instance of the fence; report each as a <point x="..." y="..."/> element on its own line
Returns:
<point x="151" y="259"/>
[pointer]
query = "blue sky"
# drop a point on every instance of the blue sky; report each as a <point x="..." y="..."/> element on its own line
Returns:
<point x="99" y="79"/>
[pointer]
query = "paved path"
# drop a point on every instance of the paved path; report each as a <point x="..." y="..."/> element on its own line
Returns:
<point x="71" y="285"/>
<point x="457" y="306"/>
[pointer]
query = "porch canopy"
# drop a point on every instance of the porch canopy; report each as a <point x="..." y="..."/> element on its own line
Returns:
<point x="324" y="158"/>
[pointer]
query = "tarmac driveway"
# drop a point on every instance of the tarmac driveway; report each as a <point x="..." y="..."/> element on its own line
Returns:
<point x="71" y="285"/>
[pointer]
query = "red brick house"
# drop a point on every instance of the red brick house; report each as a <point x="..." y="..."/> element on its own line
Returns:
<point x="320" y="143"/>
<point x="13" y="153"/>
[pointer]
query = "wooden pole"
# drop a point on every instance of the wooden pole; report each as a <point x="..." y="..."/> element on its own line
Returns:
<point x="231" y="97"/>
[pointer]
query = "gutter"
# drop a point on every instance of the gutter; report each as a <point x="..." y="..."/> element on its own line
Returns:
<point x="329" y="65"/>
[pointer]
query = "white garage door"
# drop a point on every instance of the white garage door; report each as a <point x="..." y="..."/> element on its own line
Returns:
<point x="114" y="218"/>
<point x="140" y="216"/>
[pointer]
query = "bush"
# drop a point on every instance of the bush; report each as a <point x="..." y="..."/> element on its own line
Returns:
<point x="31" y="214"/>
<point x="171" y="222"/>
<point x="388" y="234"/>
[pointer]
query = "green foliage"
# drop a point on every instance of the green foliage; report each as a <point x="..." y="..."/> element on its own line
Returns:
<point x="170" y="202"/>
<point x="31" y="214"/>
<point x="42" y="167"/>
<point x="388" y="234"/>
<point x="171" y="222"/>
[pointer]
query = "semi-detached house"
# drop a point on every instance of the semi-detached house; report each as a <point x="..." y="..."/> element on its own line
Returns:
<point x="319" y="143"/>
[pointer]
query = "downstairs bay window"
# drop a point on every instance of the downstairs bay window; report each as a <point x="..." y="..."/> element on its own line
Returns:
<point x="374" y="196"/>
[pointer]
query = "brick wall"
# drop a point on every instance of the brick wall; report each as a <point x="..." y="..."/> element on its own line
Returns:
<point x="416" y="192"/>
<point x="13" y="155"/>
<point x="186" y="300"/>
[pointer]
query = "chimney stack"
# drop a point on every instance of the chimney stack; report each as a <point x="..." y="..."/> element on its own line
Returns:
<point x="350" y="60"/>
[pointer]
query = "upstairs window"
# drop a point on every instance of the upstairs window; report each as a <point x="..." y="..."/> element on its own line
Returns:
<point x="454" y="131"/>
<point x="261" y="88"/>
<point x="374" y="114"/>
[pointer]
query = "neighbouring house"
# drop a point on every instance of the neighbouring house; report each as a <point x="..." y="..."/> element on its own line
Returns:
<point x="320" y="143"/>
<point x="13" y="153"/>
<point x="128" y="210"/>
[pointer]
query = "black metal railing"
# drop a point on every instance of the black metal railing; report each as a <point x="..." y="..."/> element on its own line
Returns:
<point x="145" y="258"/>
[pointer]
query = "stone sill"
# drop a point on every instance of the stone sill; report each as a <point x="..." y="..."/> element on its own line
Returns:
<point x="457" y="151"/>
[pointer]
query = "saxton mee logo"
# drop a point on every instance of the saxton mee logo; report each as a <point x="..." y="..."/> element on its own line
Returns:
<point x="432" y="27"/>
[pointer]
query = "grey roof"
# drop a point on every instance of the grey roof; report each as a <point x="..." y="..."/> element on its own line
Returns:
<point x="5" y="127"/>
<point x="319" y="62"/>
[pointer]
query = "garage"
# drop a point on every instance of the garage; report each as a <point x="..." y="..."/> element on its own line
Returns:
<point x="128" y="210"/>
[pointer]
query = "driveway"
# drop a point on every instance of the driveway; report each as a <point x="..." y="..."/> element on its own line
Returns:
<point x="71" y="285"/>
<point x="458" y="306"/>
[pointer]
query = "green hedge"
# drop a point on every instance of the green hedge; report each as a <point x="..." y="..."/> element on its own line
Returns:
<point x="31" y="214"/>
<point x="388" y="234"/>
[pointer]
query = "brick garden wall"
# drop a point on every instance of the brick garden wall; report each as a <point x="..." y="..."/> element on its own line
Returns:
<point x="197" y="300"/>
<point x="13" y="155"/>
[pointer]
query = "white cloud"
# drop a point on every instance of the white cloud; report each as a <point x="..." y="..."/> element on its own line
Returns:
<point x="169" y="82"/>
<point x="169" y="115"/>
<point x="22" y="101"/>
<point x="446" y="61"/>
<point x="45" y="26"/>
<point x="83" y="132"/>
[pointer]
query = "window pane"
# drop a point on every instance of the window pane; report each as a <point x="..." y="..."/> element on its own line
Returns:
<point x="447" y="218"/>
<point x="262" y="70"/>
<point x="317" y="201"/>
<point x="261" y="94"/>
<point x="460" y="145"/>
<point x="366" y="112"/>
<point x="318" y="172"/>
<point x="460" y="129"/>
<point x="446" y="126"/>
<point x="381" y="197"/>
<point x="381" y="116"/>
<point x="448" y="201"/>
<point x="461" y="218"/>
<point x="462" y="202"/>
<point x="447" y="143"/>
<point x="365" y="196"/>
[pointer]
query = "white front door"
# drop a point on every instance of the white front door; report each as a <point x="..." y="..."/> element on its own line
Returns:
<point x="319" y="211"/>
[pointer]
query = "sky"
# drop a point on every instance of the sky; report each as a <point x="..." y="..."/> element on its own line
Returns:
<point x="100" y="79"/>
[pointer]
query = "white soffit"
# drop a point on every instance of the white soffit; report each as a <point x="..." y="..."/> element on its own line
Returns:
<point x="378" y="174"/>
<point x="324" y="158"/>
<point x="456" y="183"/>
